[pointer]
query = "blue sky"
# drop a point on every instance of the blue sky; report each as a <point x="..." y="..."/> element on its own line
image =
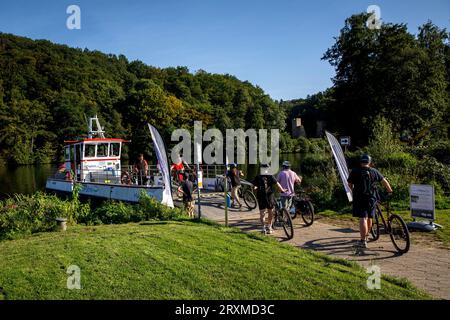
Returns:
<point x="274" y="44"/>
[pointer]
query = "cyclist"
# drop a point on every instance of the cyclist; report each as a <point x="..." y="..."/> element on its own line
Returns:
<point x="235" y="177"/>
<point x="363" y="181"/>
<point x="179" y="168"/>
<point x="287" y="179"/>
<point x="264" y="184"/>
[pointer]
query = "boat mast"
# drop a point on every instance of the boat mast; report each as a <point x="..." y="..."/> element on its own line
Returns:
<point x="99" y="133"/>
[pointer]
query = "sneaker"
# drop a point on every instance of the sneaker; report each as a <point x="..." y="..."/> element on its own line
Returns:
<point x="362" y="244"/>
<point x="270" y="231"/>
<point x="264" y="230"/>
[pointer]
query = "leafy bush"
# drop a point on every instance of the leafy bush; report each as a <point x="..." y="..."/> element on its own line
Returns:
<point x="313" y="163"/>
<point x="150" y="208"/>
<point x="24" y="215"/>
<point x="398" y="160"/>
<point x="112" y="212"/>
<point x="432" y="171"/>
<point x="383" y="143"/>
<point x="440" y="150"/>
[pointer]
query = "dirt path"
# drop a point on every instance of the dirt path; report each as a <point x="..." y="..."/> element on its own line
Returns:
<point x="427" y="267"/>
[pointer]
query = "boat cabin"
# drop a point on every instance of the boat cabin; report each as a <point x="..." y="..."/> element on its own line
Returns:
<point x="94" y="159"/>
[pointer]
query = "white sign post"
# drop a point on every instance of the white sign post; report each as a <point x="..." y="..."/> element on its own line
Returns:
<point x="422" y="207"/>
<point x="199" y="178"/>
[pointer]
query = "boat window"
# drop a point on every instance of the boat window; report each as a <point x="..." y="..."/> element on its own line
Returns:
<point x="89" y="150"/>
<point x="114" y="150"/>
<point x="102" y="150"/>
<point x="72" y="157"/>
<point x="77" y="153"/>
<point x="67" y="153"/>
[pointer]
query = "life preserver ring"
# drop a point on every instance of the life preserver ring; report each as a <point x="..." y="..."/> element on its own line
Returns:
<point x="125" y="178"/>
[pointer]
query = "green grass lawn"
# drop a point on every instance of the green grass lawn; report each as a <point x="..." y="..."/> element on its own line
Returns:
<point x="179" y="260"/>
<point x="442" y="218"/>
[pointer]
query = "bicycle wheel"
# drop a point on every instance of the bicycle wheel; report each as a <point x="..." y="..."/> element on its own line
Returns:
<point x="288" y="226"/>
<point x="250" y="199"/>
<point x="175" y="192"/>
<point x="295" y="213"/>
<point x="276" y="223"/>
<point x="375" y="230"/>
<point x="308" y="213"/>
<point x="399" y="233"/>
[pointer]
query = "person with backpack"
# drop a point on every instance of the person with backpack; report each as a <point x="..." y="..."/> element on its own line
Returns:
<point x="288" y="179"/>
<point x="265" y="185"/>
<point x="187" y="188"/>
<point x="363" y="181"/>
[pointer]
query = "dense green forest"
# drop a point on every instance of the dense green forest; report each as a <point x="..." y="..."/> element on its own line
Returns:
<point x="46" y="89"/>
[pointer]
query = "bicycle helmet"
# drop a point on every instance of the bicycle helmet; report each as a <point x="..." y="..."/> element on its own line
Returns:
<point x="365" y="159"/>
<point x="286" y="164"/>
<point x="264" y="168"/>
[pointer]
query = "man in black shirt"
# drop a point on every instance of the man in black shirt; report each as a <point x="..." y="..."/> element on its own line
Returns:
<point x="187" y="188"/>
<point x="265" y="194"/>
<point x="363" y="182"/>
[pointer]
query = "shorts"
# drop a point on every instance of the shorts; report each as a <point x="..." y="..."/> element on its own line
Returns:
<point x="189" y="207"/>
<point x="364" y="209"/>
<point x="286" y="202"/>
<point x="266" y="202"/>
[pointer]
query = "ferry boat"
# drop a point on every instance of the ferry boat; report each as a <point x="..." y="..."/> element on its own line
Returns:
<point x="94" y="163"/>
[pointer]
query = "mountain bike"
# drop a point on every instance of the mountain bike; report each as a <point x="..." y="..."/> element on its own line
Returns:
<point x="304" y="207"/>
<point x="282" y="219"/>
<point x="393" y="224"/>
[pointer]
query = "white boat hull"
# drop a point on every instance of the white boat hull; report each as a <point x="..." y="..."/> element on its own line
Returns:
<point x="125" y="193"/>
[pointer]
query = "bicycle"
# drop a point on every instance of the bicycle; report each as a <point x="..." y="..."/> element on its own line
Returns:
<point x="304" y="207"/>
<point x="282" y="219"/>
<point x="245" y="192"/>
<point x="394" y="225"/>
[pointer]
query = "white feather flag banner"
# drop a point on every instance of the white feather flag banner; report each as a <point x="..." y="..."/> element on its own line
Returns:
<point x="338" y="155"/>
<point x="161" y="154"/>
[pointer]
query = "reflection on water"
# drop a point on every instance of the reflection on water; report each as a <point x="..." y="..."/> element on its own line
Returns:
<point x="24" y="179"/>
<point x="29" y="179"/>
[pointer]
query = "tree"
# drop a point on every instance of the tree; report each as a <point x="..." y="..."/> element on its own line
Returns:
<point x="387" y="72"/>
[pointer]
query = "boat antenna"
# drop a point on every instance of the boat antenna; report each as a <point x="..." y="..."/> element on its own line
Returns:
<point x="99" y="133"/>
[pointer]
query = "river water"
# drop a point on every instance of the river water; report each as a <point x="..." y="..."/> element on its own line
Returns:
<point x="29" y="179"/>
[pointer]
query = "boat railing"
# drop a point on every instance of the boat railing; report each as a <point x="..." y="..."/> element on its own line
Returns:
<point x="209" y="171"/>
<point x="152" y="176"/>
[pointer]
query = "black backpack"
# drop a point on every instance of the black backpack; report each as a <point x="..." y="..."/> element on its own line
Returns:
<point x="367" y="182"/>
<point x="264" y="186"/>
